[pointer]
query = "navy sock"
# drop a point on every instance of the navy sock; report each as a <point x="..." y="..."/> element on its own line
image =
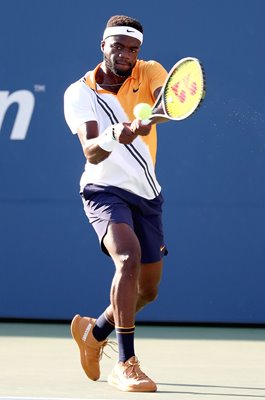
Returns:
<point x="103" y="327"/>
<point x="125" y="338"/>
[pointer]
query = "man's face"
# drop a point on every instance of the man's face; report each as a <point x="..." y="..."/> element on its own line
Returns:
<point x="120" y="54"/>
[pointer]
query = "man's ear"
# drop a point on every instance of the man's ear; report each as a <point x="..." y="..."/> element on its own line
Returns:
<point x="102" y="45"/>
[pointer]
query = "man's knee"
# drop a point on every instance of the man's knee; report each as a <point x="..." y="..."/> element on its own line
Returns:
<point x="123" y="246"/>
<point x="148" y="295"/>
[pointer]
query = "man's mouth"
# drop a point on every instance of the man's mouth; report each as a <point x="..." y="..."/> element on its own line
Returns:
<point x="124" y="63"/>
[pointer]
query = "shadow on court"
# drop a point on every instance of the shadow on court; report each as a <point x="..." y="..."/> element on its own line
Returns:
<point x="200" y="390"/>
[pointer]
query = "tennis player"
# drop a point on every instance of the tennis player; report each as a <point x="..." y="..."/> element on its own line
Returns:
<point x="121" y="195"/>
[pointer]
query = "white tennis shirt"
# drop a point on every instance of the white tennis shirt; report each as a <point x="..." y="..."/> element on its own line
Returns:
<point x="129" y="167"/>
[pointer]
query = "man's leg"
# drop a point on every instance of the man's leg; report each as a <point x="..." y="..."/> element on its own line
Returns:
<point x="124" y="248"/>
<point x="147" y="288"/>
<point x="148" y="283"/>
<point x="90" y="334"/>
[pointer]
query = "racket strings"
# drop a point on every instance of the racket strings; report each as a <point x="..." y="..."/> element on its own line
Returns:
<point x="184" y="90"/>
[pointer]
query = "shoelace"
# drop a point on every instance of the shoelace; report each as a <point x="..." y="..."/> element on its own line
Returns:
<point x="113" y="345"/>
<point x="133" y="371"/>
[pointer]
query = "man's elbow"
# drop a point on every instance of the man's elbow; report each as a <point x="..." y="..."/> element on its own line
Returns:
<point x="96" y="157"/>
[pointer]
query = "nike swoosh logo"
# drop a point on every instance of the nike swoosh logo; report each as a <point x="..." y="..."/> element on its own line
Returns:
<point x="129" y="30"/>
<point x="136" y="90"/>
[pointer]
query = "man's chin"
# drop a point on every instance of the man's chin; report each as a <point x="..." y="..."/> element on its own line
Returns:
<point x="122" y="73"/>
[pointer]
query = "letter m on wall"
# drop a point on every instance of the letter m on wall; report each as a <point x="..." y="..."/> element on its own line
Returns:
<point x="25" y="101"/>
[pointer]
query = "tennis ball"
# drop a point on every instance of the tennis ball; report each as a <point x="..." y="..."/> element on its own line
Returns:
<point x="142" y="111"/>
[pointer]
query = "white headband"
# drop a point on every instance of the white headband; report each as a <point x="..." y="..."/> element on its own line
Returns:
<point x="123" y="30"/>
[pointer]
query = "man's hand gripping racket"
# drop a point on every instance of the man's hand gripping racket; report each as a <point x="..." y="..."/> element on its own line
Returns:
<point x="181" y="94"/>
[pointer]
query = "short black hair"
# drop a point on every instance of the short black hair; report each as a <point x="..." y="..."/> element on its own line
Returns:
<point x="123" y="20"/>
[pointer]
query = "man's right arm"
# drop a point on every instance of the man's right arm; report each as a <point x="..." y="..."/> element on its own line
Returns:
<point x="93" y="145"/>
<point x="97" y="146"/>
<point x="88" y="136"/>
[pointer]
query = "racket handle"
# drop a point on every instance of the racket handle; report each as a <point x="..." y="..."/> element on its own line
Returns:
<point x="145" y="121"/>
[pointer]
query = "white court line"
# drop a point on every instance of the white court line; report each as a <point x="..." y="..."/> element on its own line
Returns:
<point x="46" y="398"/>
<point x="39" y="398"/>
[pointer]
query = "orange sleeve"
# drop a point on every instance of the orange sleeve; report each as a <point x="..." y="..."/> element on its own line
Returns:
<point x="156" y="74"/>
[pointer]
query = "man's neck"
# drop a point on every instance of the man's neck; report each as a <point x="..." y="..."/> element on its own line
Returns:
<point x="108" y="80"/>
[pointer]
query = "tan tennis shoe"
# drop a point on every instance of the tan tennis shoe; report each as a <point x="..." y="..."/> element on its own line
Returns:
<point x="128" y="377"/>
<point x="90" y="349"/>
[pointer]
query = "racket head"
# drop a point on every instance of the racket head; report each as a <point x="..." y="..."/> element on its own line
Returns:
<point x="184" y="89"/>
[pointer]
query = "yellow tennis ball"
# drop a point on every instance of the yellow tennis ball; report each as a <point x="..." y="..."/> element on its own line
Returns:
<point x="142" y="111"/>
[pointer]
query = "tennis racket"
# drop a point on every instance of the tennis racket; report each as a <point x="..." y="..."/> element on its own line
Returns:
<point x="182" y="92"/>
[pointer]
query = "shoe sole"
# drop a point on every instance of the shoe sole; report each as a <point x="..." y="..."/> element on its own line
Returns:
<point x="78" y="339"/>
<point x="116" y="383"/>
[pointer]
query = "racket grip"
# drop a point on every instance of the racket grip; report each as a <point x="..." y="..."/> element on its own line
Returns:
<point x="145" y="121"/>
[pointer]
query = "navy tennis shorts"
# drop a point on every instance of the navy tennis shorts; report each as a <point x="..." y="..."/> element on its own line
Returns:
<point x="108" y="204"/>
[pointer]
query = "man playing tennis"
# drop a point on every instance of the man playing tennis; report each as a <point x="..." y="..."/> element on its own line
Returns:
<point x="121" y="196"/>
